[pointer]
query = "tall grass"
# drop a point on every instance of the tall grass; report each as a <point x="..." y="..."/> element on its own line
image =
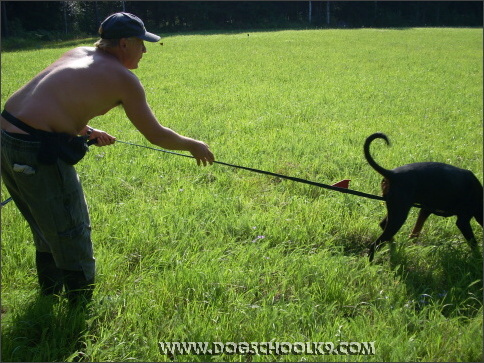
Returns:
<point x="224" y="255"/>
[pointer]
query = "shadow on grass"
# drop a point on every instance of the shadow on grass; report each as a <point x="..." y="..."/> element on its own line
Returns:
<point x="449" y="275"/>
<point x="47" y="330"/>
<point x="36" y="41"/>
<point x="14" y="44"/>
<point x="22" y="44"/>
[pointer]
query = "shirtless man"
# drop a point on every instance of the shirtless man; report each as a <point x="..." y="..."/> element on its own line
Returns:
<point x="84" y="83"/>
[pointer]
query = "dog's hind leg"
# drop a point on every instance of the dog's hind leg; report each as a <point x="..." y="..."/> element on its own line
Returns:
<point x="422" y="217"/>
<point x="478" y="216"/>
<point x="464" y="225"/>
<point x="383" y="223"/>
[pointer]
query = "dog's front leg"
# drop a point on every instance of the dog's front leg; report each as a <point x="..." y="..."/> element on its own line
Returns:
<point x="398" y="206"/>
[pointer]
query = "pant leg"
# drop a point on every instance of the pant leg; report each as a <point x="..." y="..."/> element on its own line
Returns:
<point x="78" y="288"/>
<point x="51" y="199"/>
<point x="51" y="278"/>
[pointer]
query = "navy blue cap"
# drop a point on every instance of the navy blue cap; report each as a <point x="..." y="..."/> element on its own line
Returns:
<point x="125" y="25"/>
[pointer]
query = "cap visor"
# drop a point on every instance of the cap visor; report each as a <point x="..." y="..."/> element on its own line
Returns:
<point x="149" y="37"/>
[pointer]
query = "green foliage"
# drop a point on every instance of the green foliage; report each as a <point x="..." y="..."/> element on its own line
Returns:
<point x="77" y="17"/>
<point x="219" y="254"/>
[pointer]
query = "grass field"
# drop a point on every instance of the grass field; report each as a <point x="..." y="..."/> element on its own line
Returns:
<point x="218" y="254"/>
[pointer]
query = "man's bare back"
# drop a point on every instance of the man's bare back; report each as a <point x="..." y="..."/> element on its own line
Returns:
<point x="84" y="83"/>
<point x="87" y="82"/>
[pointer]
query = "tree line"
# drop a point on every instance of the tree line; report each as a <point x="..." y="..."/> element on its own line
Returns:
<point x="82" y="18"/>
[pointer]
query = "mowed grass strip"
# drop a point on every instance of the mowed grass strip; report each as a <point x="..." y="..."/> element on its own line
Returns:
<point x="218" y="254"/>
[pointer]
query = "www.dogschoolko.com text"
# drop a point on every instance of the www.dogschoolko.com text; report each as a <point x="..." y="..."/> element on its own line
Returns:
<point x="267" y="348"/>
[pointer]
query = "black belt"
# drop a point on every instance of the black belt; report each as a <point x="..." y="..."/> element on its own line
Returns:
<point x="23" y="137"/>
<point x="22" y="125"/>
<point x="53" y="145"/>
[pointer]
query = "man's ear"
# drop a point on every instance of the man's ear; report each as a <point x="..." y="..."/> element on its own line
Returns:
<point x="123" y="43"/>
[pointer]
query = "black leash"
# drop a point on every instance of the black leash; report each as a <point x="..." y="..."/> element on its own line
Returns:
<point x="33" y="131"/>
<point x="299" y="180"/>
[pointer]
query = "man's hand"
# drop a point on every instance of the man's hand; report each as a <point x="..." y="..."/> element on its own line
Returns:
<point x="103" y="138"/>
<point x="201" y="153"/>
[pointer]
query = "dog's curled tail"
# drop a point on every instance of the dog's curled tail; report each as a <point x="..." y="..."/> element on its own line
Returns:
<point x="368" y="156"/>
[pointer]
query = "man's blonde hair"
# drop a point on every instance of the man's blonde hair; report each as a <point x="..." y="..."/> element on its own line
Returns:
<point x="106" y="43"/>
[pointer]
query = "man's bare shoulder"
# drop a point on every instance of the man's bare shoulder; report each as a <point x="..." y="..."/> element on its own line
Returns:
<point x="79" y="51"/>
<point x="98" y="62"/>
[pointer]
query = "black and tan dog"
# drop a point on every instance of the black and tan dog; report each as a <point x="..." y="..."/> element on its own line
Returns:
<point x="439" y="188"/>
